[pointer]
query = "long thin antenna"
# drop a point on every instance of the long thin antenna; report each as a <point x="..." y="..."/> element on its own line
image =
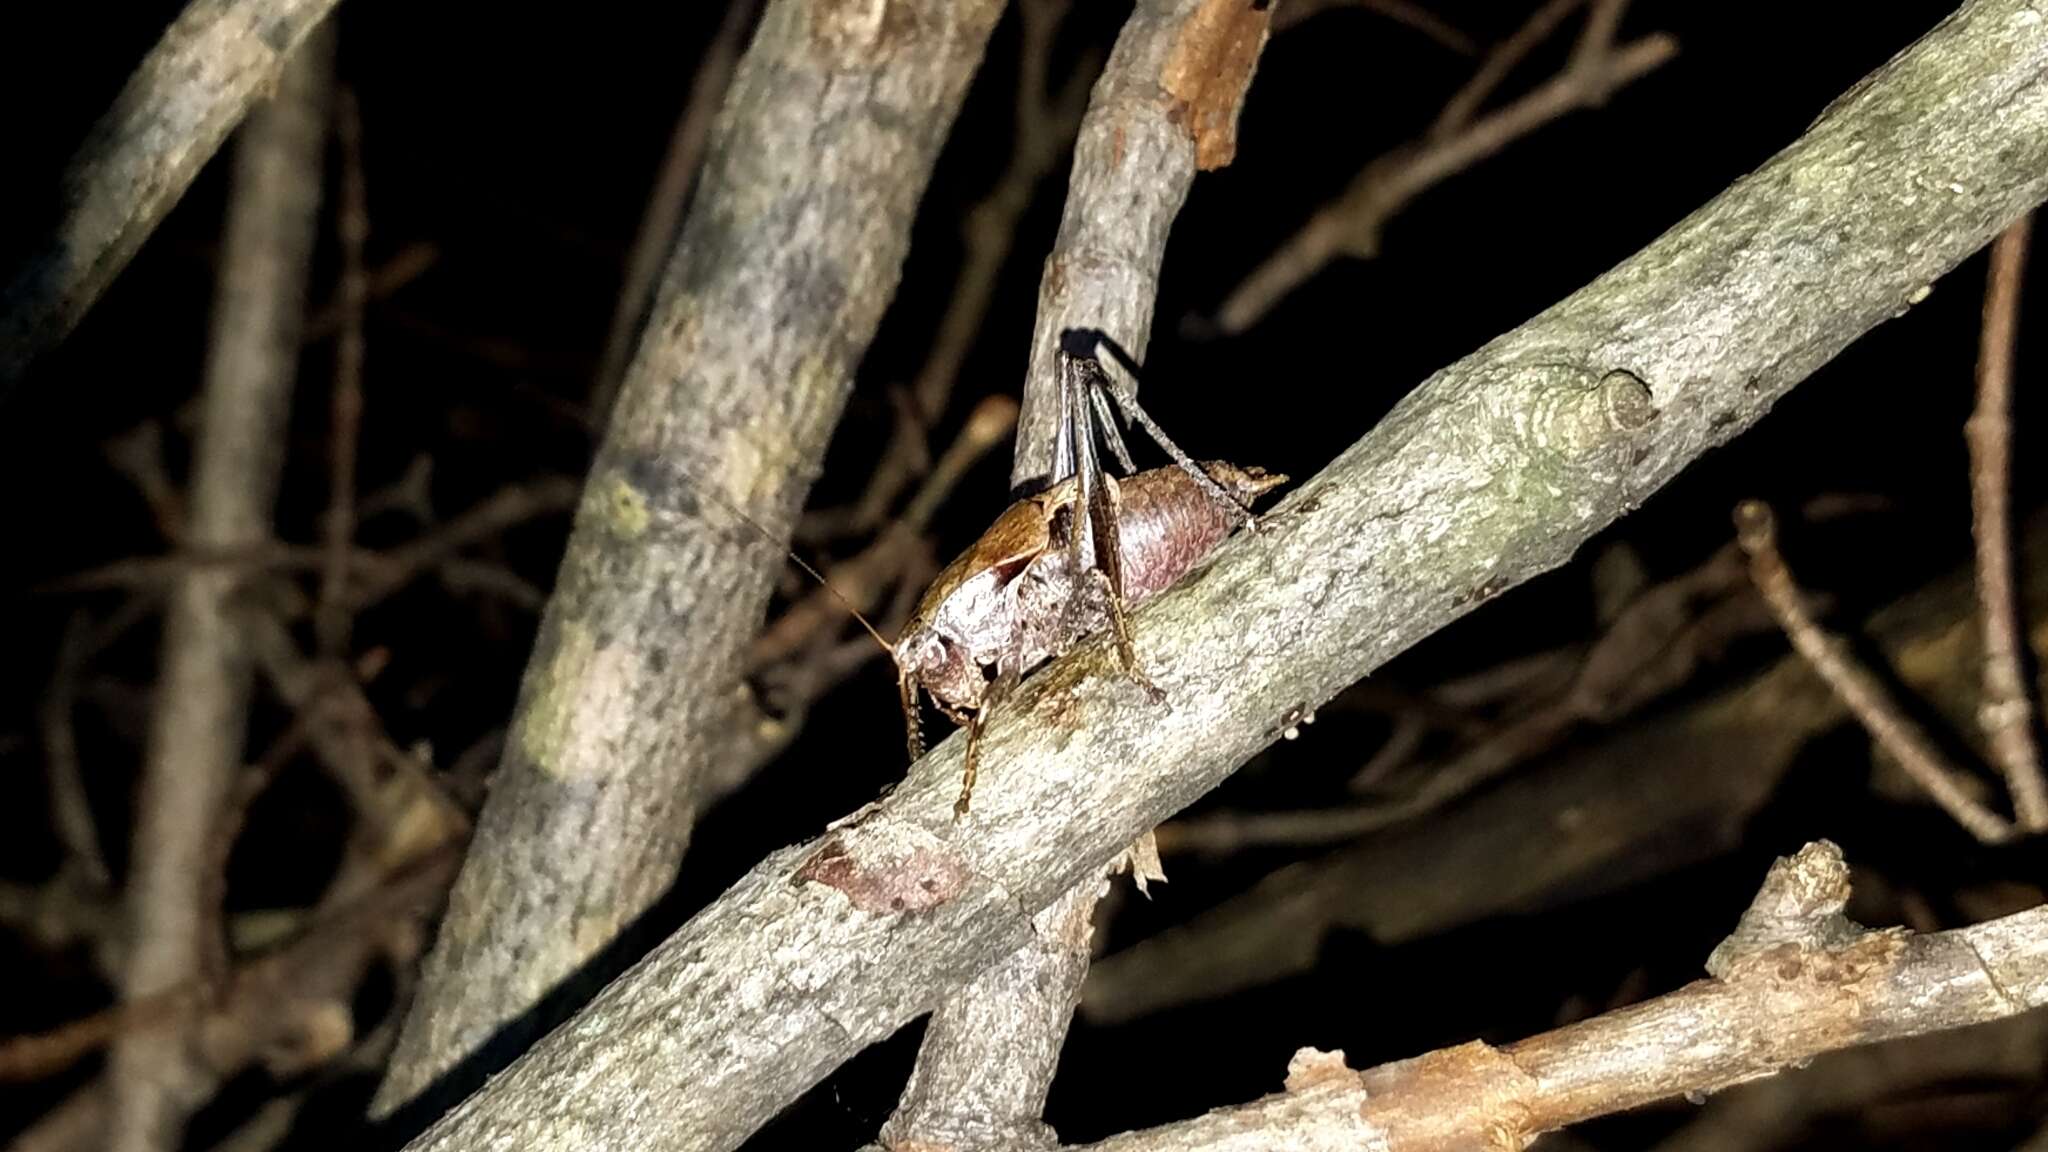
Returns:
<point x="721" y="501"/>
<point x="834" y="593"/>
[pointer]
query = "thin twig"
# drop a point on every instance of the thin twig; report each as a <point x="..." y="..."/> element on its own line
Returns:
<point x="251" y="994"/>
<point x="331" y="616"/>
<point x="1396" y="538"/>
<point x="405" y="266"/>
<point x="508" y="507"/>
<point x="1861" y="691"/>
<point x="656" y="237"/>
<point x="1351" y="225"/>
<point x="1654" y="646"/>
<point x="378" y="574"/>
<point x="138" y="454"/>
<point x="1294" y="13"/>
<point x="2007" y="714"/>
<point x="1458" y="111"/>
<point x="70" y="809"/>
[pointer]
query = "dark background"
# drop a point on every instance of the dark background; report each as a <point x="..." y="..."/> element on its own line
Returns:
<point x="520" y="141"/>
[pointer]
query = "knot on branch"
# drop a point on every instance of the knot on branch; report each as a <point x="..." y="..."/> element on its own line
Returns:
<point x="1797" y="914"/>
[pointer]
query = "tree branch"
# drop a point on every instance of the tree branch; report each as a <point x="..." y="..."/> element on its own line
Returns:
<point x="213" y="64"/>
<point x="1494" y="470"/>
<point x="792" y="249"/>
<point x="199" y="723"/>
<point x="1796" y="979"/>
<point x="990" y="1050"/>
<point x="2007" y="716"/>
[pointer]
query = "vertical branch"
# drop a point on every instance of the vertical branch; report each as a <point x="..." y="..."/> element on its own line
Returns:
<point x="2007" y="714"/>
<point x="332" y="614"/>
<point x="790" y="252"/>
<point x="217" y="60"/>
<point x="197" y="732"/>
<point x="991" y="1048"/>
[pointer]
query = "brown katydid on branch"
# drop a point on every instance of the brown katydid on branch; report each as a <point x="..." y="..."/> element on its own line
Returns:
<point x="1057" y="565"/>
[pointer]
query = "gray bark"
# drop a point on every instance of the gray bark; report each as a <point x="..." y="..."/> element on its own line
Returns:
<point x="213" y="64"/>
<point x="200" y="721"/>
<point x="790" y="254"/>
<point x="1494" y="470"/>
<point x="991" y="1049"/>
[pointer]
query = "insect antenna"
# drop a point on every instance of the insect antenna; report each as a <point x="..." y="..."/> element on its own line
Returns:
<point x="843" y="601"/>
<point x="859" y="617"/>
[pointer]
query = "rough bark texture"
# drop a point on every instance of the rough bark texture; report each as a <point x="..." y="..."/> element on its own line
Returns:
<point x="1492" y="471"/>
<point x="1660" y="794"/>
<point x="219" y="58"/>
<point x="791" y="251"/>
<point x="200" y="722"/>
<point x="1166" y="105"/>
<point x="1795" y="980"/>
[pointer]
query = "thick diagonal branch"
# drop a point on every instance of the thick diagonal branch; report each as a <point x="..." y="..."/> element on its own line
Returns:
<point x="791" y="251"/>
<point x="213" y="64"/>
<point x="1494" y="470"/>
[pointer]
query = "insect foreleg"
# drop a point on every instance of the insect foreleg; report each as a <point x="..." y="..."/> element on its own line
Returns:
<point x="998" y="690"/>
<point x="913" y="720"/>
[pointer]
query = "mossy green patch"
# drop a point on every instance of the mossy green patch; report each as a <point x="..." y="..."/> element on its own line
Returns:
<point x="627" y="506"/>
<point x="544" y="726"/>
